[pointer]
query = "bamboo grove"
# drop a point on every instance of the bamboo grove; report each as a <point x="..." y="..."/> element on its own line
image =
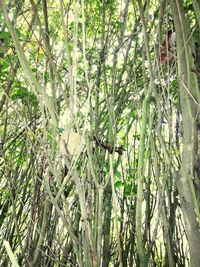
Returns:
<point x="99" y="133"/>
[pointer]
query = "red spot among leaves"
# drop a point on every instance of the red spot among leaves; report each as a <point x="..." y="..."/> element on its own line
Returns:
<point x="167" y="48"/>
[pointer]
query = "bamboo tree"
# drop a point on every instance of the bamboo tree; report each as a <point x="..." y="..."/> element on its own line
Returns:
<point x="187" y="80"/>
<point x="91" y="68"/>
<point x="140" y="173"/>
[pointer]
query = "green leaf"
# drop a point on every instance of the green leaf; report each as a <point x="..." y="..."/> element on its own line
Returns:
<point x="21" y="93"/>
<point x="118" y="184"/>
<point x="60" y="130"/>
<point x="5" y="64"/>
<point x="127" y="190"/>
<point x="5" y="35"/>
<point x="118" y="174"/>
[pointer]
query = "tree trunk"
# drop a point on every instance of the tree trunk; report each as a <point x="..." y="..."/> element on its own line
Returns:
<point x="189" y="92"/>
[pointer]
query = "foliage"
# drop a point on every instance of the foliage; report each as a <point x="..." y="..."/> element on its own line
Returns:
<point x="97" y="79"/>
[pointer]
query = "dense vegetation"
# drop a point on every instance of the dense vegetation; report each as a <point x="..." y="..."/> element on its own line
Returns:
<point x="100" y="142"/>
